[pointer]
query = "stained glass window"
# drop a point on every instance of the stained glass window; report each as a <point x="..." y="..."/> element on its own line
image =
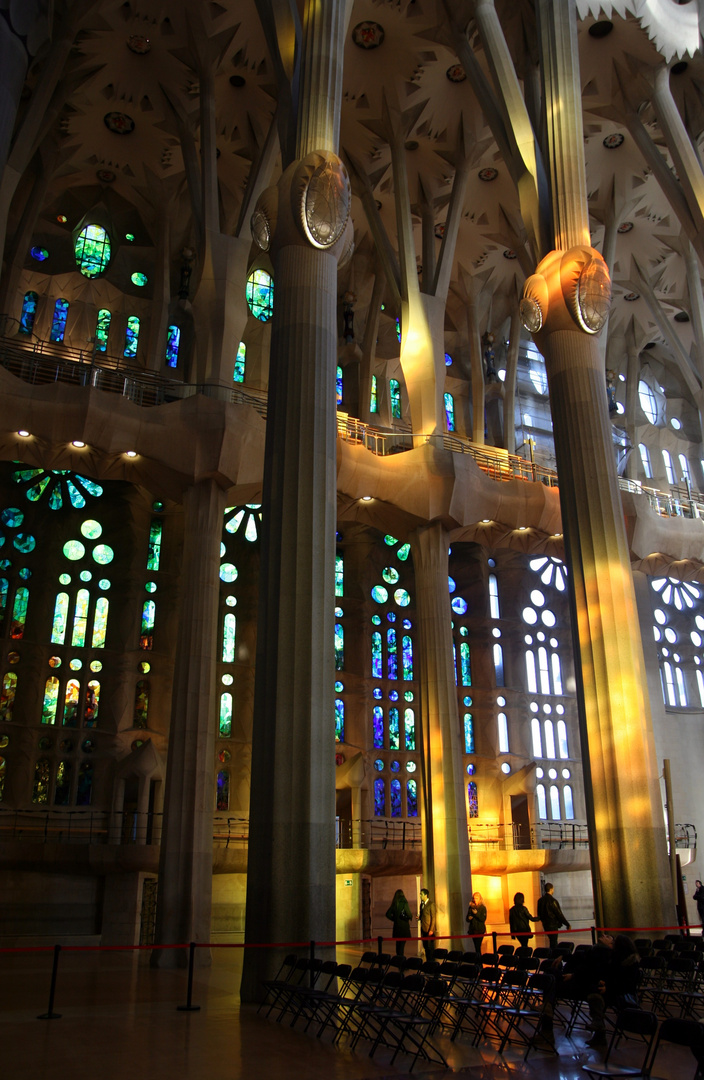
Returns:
<point x="19" y="613"/>
<point x="465" y="664"/>
<point x="58" y="322"/>
<point x="3" y="774"/>
<point x="260" y="295"/>
<point x="71" y="699"/>
<point x="240" y="363"/>
<point x="141" y="704"/>
<point x="499" y="665"/>
<point x="339" y="720"/>
<point x="378" y="717"/>
<point x="376" y="655"/>
<point x="58" y="632"/>
<point x="472" y="799"/>
<point x="468" y="733"/>
<point x="173" y="340"/>
<point x="228" y="638"/>
<point x="395" y="391"/>
<point x="503" y="733"/>
<point x="373" y="403"/>
<point x="542" y="802"/>
<point x="3" y="600"/>
<point x="536" y="736"/>
<point x="146" y="635"/>
<point x="7" y="695"/>
<point x="391" y="655"/>
<point x="409" y="721"/>
<point x="394" y="739"/>
<point x="100" y="622"/>
<point x="554" y="802"/>
<point x="29" y="311"/>
<point x="131" y="337"/>
<point x="154" y="554"/>
<point x="92" y="250"/>
<point x="549" y="739"/>
<point x="84" y="792"/>
<point x="101" y="330"/>
<point x="395" y="798"/>
<point x="225" y="726"/>
<point x="450" y="412"/>
<point x="569" y="804"/>
<point x="223" y="790"/>
<point x="339" y="575"/>
<point x="80" y="618"/>
<point x="412" y="798"/>
<point x="51" y="698"/>
<point x="407" y="655"/>
<point x="62" y="784"/>
<point x="338" y="385"/>
<point x="42" y="775"/>
<point x="90" y="710"/>
<point x="379" y="798"/>
<point x="339" y="647"/>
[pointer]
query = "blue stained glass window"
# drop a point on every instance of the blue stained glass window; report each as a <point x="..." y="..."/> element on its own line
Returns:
<point x="395" y="391"/>
<point x="39" y="253"/>
<point x="146" y="638"/>
<point x="412" y="798"/>
<point x="29" y="311"/>
<point x="339" y="647"/>
<point x="373" y="403"/>
<point x="131" y="337"/>
<point x="450" y="412"/>
<point x="339" y="720"/>
<point x="407" y="653"/>
<point x="395" y="798"/>
<point x="222" y="798"/>
<point x="240" y="362"/>
<point x="409" y="723"/>
<point x="391" y="657"/>
<point x="380" y="594"/>
<point x="448" y="359"/>
<point x="338" y="385"/>
<point x="394" y="741"/>
<point x="260" y="295"/>
<point x="378" y="727"/>
<point x="379" y="798"/>
<point x="468" y="733"/>
<point x="3" y="600"/>
<point x="339" y="575"/>
<point x="101" y="330"/>
<point x="173" y="340"/>
<point x="465" y="664"/>
<point x="376" y="655"/>
<point x="459" y="606"/>
<point x="398" y="329"/>
<point x="472" y="798"/>
<point x="92" y="250"/>
<point x="58" y="323"/>
<point x="454" y="660"/>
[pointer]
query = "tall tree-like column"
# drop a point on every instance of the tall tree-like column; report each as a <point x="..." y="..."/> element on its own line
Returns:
<point x="565" y="304"/>
<point x="446" y="868"/>
<point x="186" y="864"/>
<point x="291" y="865"/>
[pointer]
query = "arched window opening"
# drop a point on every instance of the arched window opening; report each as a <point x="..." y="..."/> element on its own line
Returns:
<point x="544" y="670"/>
<point x="549" y="740"/>
<point x="648" y="401"/>
<point x="339" y="647"/>
<point x="499" y="665"/>
<point x="131" y="337"/>
<point x="407" y="656"/>
<point x="240" y="363"/>
<point x="228" y="638"/>
<point x="472" y="799"/>
<point x="378" y="719"/>
<point x="92" y="251"/>
<point x="569" y="804"/>
<point x="84" y="793"/>
<point x="391" y="655"/>
<point x="373" y="402"/>
<point x="376" y="655"/>
<point x="71" y="701"/>
<point x="223" y="790"/>
<point x="645" y="460"/>
<point x="556" y="674"/>
<point x="19" y="613"/>
<point x="80" y="618"/>
<point x="668" y="680"/>
<point x="58" y="632"/>
<point x="260" y="295"/>
<point x="394" y="735"/>
<point x="102" y="330"/>
<point x="409" y="724"/>
<point x="225" y="724"/>
<point x="465" y="664"/>
<point x="494" y="597"/>
<point x="554" y="802"/>
<point x="684" y="468"/>
<point x="503" y="733"/>
<point x="412" y="798"/>
<point x="395" y="393"/>
<point x="681" y="688"/>
<point x="542" y="802"/>
<point x="450" y="412"/>
<point x="339" y="720"/>
<point x="7" y="695"/>
<point x="379" y="798"/>
<point x="669" y="467"/>
<point x="100" y="622"/>
<point x="338" y="385"/>
<point x="62" y="784"/>
<point x="58" y="322"/>
<point x="42" y="779"/>
<point x="468" y="733"/>
<point x="90" y="708"/>
<point x="141" y="704"/>
<point x="173" y="342"/>
<point x="536" y="736"/>
<point x="29" y="312"/>
<point x="339" y="575"/>
<point x="396" y="809"/>
<point x="530" y="672"/>
<point x="562" y="738"/>
<point x="51" y="699"/>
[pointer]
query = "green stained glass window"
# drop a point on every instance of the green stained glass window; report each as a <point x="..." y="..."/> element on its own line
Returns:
<point x="74" y="550"/>
<point x="173" y="341"/>
<point x="146" y="636"/>
<point x="260" y="295"/>
<point x="339" y="647"/>
<point x="62" y="785"/>
<point x="139" y="279"/>
<point x="373" y="403"/>
<point x="19" y="613"/>
<point x="92" y="250"/>
<point x="228" y="638"/>
<point x="58" y="630"/>
<point x="141" y="703"/>
<point x="58" y="322"/>
<point x="225" y="725"/>
<point x="450" y="412"/>
<point x="380" y="594"/>
<point x="154" y="553"/>
<point x="24" y="542"/>
<point x="409" y="722"/>
<point x="80" y="619"/>
<point x="228" y="572"/>
<point x="407" y="659"/>
<point x="390" y="540"/>
<point x="339" y="575"/>
<point x="403" y="552"/>
<point x="131" y="337"/>
<point x="395" y="392"/>
<point x="7" y="695"/>
<point x="338" y="384"/>
<point x="240" y="362"/>
<point x="29" y="311"/>
<point x="91" y="529"/>
<point x="102" y="329"/>
<point x="394" y="738"/>
<point x="90" y="708"/>
<point x="402" y="598"/>
<point x="468" y="733"/>
<point x="103" y="554"/>
<point x="339" y="720"/>
<point x="71" y="699"/>
<point x="42" y="776"/>
<point x="3" y="600"/>
<point x="390" y="575"/>
<point x="12" y="517"/>
<point x="465" y="664"/>
<point x="51" y="698"/>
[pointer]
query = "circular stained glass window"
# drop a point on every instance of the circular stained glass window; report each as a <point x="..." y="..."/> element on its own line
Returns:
<point x="25" y="573"/>
<point x="92" y="250"/>
<point x="406" y="624"/>
<point x="393" y="695"/>
<point x="224" y="756"/>
<point x="537" y="598"/>
<point x="88" y="746"/>
<point x="157" y="506"/>
<point x="452" y="584"/>
<point x="129" y="237"/>
<point x="376" y="620"/>
<point x="380" y="594"/>
<point x="408" y="695"/>
<point x="471" y="769"/>
<point x="104" y="583"/>
<point x="39" y="253"/>
<point x="54" y="661"/>
<point x="66" y="745"/>
<point x="74" y="550"/>
<point x="566" y="774"/>
<point x="390" y="575"/>
<point x="12" y="517"/>
<point x="402" y="598"/>
<point x="96" y="665"/>
<point x="85" y="575"/>
<point x="103" y="554"/>
<point x="65" y="579"/>
<point x="459" y="606"/>
<point x="92" y="529"/>
<point x="227" y="680"/>
<point x="395" y="766"/>
<point x="339" y="687"/>
<point x="75" y="664"/>
<point x="145" y="666"/>
<point x="24" y="542"/>
<point x="539" y="773"/>
<point x="231" y="601"/>
<point x="529" y="615"/>
<point x="377" y="693"/>
<point x="260" y="295"/>
<point x="228" y="572"/>
<point x="139" y="279"/>
<point x="390" y="615"/>
<point x="505" y="768"/>
<point x="13" y="657"/>
<point x="379" y="765"/>
<point x="548" y="617"/>
<point x="150" y="586"/>
<point x="4" y="741"/>
<point x="45" y="744"/>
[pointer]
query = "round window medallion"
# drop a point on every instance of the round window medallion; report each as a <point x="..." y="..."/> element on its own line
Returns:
<point x="122" y="124"/>
<point x="613" y="141"/>
<point x="368" y="35"/>
<point x="625" y="227"/>
<point x="138" y="43"/>
<point x="106" y="176"/>
<point x="456" y="73"/>
<point x="440" y="229"/>
<point x="509" y="254"/>
<point x="631" y="296"/>
<point x="488" y="174"/>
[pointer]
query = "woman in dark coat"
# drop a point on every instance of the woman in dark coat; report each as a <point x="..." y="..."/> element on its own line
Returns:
<point x="519" y="919"/>
<point x="476" y="920"/>
<point x="400" y="915"/>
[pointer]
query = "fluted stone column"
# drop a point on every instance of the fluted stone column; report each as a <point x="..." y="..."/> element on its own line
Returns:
<point x="446" y="868"/>
<point x="291" y="861"/>
<point x="186" y="863"/>
<point x="566" y="302"/>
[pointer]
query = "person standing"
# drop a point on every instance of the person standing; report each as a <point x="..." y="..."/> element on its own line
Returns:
<point x="426" y="918"/>
<point x="550" y="915"/>
<point x="399" y="914"/>
<point x="699" y="899"/>
<point x="519" y="920"/>
<point x="476" y="920"/>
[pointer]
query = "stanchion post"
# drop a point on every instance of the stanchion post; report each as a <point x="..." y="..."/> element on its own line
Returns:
<point x="311" y="976"/>
<point x="189" y="1006"/>
<point x="593" y="930"/>
<point x="380" y="944"/>
<point x="494" y="938"/>
<point x="50" y="1014"/>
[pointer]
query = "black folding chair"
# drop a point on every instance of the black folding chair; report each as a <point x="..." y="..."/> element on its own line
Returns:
<point x="629" y="1022"/>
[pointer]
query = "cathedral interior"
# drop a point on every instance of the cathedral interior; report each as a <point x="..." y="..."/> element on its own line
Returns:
<point x="351" y="535"/>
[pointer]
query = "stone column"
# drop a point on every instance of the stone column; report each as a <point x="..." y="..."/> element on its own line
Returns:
<point x="446" y="867"/>
<point x="510" y="384"/>
<point x="565" y="304"/>
<point x="291" y="861"/>
<point x="186" y="864"/>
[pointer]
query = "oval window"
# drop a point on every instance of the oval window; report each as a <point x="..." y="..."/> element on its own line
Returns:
<point x="92" y="250"/>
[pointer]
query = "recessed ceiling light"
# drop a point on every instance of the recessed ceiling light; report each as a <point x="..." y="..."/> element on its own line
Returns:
<point x="130" y="453"/>
<point x="77" y="443"/>
<point x="23" y="433"/>
<point x="366" y="498"/>
<point x="486" y="521"/>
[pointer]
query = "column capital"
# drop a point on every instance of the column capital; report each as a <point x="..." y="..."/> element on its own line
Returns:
<point x="569" y="290"/>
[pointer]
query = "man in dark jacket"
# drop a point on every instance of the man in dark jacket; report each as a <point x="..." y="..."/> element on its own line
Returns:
<point x="426" y="917"/>
<point x="550" y="915"/>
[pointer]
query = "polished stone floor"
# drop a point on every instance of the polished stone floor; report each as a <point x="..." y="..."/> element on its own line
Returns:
<point x="119" y="1021"/>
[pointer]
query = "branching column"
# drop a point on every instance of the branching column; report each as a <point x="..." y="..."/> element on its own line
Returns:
<point x="186" y="865"/>
<point x="446" y="868"/>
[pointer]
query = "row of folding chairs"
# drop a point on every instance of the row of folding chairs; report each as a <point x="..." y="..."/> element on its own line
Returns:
<point x="645" y="1025"/>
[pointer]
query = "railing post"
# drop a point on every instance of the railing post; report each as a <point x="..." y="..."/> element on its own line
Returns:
<point x="50" y="1014"/>
<point x="189" y="1006"/>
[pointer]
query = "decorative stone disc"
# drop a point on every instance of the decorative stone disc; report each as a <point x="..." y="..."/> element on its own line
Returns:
<point x="118" y="122"/>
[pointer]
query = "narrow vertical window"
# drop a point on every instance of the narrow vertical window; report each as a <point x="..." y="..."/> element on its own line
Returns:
<point x="141" y="703"/>
<point x="338" y="385"/>
<point x="536" y="736"/>
<point x="339" y="647"/>
<point x="378" y="718"/>
<point x="102" y="330"/>
<point x="100" y="622"/>
<point x="409" y="724"/>
<point x="468" y="733"/>
<point x="19" y="613"/>
<point x="376" y="655"/>
<point x="379" y="798"/>
<point x="407" y="655"/>
<point x="71" y="700"/>
<point x="684" y="467"/>
<point x="681" y="688"/>
<point x="700" y="684"/>
<point x="395" y="798"/>
<point x="394" y="736"/>
<point x="554" y="802"/>
<point x="62" y="784"/>
<point x="562" y="739"/>
<point x="51" y="698"/>
<point x="556" y="674"/>
<point x="84" y="793"/>
<point x="131" y="337"/>
<point x="146" y="633"/>
<point x="29" y="311"/>
<point x="669" y="467"/>
<point x="544" y="670"/>
<point x="228" y="638"/>
<point x="3" y="774"/>
<point x="499" y="665"/>
<point x="154" y="551"/>
<point x="668" y="684"/>
<point x="339" y="720"/>
<point x="58" y="630"/>
<point x="90" y="708"/>
<point x="240" y="363"/>
<point x="395" y="392"/>
<point x="450" y="412"/>
<point x="503" y="733"/>
<point x="42" y="777"/>
<point x="569" y="804"/>
<point x="391" y="657"/>
<point x="339" y="575"/>
<point x="530" y="672"/>
<point x="173" y="341"/>
<point x="549" y="740"/>
<point x="542" y="801"/>
<point x="225" y="725"/>
<point x="373" y="403"/>
<point x="645" y="460"/>
<point x="3" y="601"/>
<point x="80" y="619"/>
<point x="412" y="798"/>
<point x="222" y="799"/>
<point x="494" y="597"/>
<point x="473" y="799"/>
<point x="7" y="695"/>
<point x="465" y="664"/>
<point x="58" y="322"/>
<point x="454" y="660"/>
